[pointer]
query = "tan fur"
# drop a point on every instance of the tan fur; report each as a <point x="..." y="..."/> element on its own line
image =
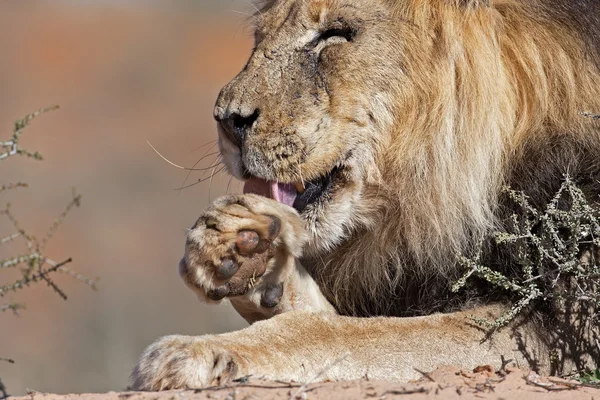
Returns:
<point x="428" y="111"/>
<point x="447" y="170"/>
<point x="340" y="347"/>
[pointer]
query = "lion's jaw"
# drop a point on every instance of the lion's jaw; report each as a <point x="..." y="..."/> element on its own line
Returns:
<point x="303" y="113"/>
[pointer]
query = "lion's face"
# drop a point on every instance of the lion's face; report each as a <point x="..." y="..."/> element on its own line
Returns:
<point x="305" y="120"/>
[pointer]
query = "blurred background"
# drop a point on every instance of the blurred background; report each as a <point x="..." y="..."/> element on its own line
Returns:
<point x="124" y="72"/>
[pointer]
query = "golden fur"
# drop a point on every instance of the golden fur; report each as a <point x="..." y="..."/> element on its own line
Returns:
<point x="419" y="111"/>
<point x="496" y="80"/>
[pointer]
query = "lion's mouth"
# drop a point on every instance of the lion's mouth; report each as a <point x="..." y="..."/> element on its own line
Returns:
<point x="298" y="195"/>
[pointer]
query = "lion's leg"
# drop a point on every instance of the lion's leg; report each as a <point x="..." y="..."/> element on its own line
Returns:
<point x="245" y="247"/>
<point x="299" y="346"/>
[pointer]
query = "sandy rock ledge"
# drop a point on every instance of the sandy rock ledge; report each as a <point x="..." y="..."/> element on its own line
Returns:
<point x="443" y="383"/>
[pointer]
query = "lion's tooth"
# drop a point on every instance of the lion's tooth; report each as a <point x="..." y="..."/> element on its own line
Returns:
<point x="299" y="187"/>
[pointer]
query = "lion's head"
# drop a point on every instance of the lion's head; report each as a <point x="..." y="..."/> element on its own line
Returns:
<point x="313" y="107"/>
<point x="389" y="124"/>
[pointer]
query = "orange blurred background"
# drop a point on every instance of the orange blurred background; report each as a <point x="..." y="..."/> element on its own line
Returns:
<point x="124" y="72"/>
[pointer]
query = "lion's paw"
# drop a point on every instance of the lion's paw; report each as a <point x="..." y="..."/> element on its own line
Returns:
<point x="183" y="362"/>
<point x="243" y="246"/>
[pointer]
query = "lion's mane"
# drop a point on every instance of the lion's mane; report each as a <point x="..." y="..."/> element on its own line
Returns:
<point x="492" y="96"/>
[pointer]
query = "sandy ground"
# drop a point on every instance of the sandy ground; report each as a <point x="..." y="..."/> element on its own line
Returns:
<point x="444" y="383"/>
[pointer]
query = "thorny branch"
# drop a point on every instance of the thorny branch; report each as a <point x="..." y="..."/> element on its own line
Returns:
<point x="556" y="250"/>
<point x="12" y="147"/>
<point x="34" y="265"/>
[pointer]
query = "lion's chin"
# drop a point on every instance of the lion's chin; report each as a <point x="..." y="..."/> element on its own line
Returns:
<point x="299" y="195"/>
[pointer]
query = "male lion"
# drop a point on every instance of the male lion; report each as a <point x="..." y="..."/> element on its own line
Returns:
<point x="374" y="137"/>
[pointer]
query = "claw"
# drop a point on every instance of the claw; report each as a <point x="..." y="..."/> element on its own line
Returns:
<point x="252" y="280"/>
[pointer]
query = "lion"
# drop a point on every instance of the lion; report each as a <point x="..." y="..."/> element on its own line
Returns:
<point x="374" y="138"/>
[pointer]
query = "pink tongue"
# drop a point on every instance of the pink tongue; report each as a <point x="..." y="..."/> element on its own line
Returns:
<point x="282" y="192"/>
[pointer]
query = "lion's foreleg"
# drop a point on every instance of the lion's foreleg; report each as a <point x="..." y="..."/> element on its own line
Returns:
<point x="303" y="346"/>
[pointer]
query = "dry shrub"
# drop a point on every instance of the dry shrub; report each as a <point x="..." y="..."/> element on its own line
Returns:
<point x="34" y="266"/>
<point x="555" y="249"/>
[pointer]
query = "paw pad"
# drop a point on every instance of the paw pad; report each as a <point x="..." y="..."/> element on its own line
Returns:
<point x="227" y="269"/>
<point x="246" y="242"/>
<point x="234" y="246"/>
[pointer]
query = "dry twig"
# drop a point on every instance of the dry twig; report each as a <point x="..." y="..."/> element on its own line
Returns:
<point x="318" y="375"/>
<point x="547" y="246"/>
<point x="33" y="263"/>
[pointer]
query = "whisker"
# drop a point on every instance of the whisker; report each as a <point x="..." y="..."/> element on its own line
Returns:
<point x="211" y="181"/>
<point x="179" y="166"/>
<point x="203" y="169"/>
<point x="212" y="167"/>
<point x="210" y="185"/>
<point x="253" y="6"/>
<point x="213" y="142"/>
<point x="215" y="163"/>
<point x="242" y="13"/>
<point x="229" y="185"/>
<point x="250" y="16"/>
<point x="202" y="180"/>
<point x="197" y="162"/>
<point x="224" y="168"/>
<point x="163" y="157"/>
<point x="217" y="159"/>
<point x="214" y="153"/>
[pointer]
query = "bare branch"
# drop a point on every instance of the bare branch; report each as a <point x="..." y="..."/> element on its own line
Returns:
<point x="546" y="258"/>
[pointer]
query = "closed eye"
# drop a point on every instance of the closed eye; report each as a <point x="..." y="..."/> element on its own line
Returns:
<point x="346" y="34"/>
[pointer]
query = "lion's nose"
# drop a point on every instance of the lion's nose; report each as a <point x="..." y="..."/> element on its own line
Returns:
<point x="237" y="125"/>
